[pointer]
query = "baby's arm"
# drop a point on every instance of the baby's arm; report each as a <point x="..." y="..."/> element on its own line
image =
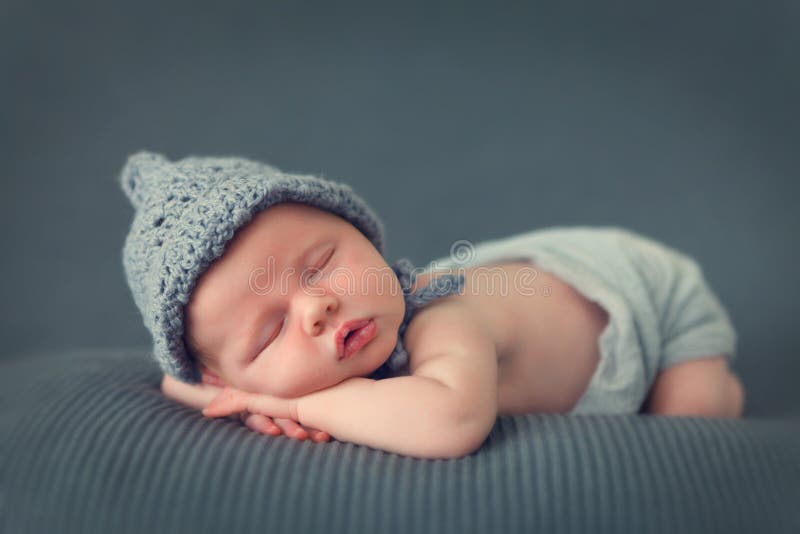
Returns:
<point x="444" y="409"/>
<point x="194" y="396"/>
<point x="199" y="396"/>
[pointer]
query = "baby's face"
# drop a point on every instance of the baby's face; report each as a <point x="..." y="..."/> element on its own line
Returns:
<point x="267" y="311"/>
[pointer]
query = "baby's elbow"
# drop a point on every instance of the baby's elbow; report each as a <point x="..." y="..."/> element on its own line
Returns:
<point x="469" y="434"/>
<point x="463" y="443"/>
<point x="474" y="419"/>
<point x="467" y="446"/>
<point x="449" y="445"/>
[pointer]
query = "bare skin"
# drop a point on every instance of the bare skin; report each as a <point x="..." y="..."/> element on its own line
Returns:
<point x="539" y="370"/>
<point x="548" y="352"/>
<point x="201" y="395"/>
<point x="544" y="345"/>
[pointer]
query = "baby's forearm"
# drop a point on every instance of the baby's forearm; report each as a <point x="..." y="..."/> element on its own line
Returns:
<point x="410" y="415"/>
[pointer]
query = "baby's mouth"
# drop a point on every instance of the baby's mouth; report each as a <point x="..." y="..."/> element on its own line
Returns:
<point x="353" y="335"/>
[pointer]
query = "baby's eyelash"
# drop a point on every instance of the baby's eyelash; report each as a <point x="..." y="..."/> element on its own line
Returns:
<point x="328" y="255"/>
<point x="327" y="258"/>
<point x="279" y="329"/>
<point x="271" y="338"/>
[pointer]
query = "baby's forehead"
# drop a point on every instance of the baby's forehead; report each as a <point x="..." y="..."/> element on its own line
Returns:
<point x="275" y="239"/>
<point x="284" y="226"/>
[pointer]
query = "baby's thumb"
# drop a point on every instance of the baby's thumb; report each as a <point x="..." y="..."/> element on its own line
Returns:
<point x="229" y="401"/>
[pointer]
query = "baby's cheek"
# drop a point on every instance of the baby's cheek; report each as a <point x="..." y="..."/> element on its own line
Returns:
<point x="343" y="282"/>
<point x="276" y="383"/>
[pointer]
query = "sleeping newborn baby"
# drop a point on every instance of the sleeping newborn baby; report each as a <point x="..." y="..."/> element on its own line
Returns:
<point x="268" y="299"/>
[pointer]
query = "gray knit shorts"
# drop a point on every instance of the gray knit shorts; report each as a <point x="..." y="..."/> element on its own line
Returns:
<point x="662" y="311"/>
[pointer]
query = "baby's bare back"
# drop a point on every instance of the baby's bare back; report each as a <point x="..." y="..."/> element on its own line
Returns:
<point x="544" y="331"/>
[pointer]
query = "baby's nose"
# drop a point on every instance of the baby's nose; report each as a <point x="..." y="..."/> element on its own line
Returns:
<point x="320" y="314"/>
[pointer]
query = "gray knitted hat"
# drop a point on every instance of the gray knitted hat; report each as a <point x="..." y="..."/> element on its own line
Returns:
<point x="186" y="213"/>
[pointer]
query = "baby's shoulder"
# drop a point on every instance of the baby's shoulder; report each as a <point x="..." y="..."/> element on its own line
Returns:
<point x="428" y="328"/>
<point x="447" y="343"/>
<point x="438" y="320"/>
<point x="444" y="326"/>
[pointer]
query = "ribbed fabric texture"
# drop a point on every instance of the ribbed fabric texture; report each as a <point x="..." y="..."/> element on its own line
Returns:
<point x="89" y="444"/>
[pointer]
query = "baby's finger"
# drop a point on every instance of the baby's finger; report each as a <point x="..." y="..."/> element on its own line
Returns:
<point x="227" y="402"/>
<point x="318" y="436"/>
<point x="291" y="428"/>
<point x="261" y="423"/>
<point x="213" y="380"/>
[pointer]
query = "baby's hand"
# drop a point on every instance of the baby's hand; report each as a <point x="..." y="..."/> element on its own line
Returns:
<point x="199" y="396"/>
<point x="253" y="410"/>
<point x="275" y="425"/>
<point x="270" y="425"/>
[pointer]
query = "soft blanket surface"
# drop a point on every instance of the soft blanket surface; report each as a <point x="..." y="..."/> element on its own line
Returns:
<point x="89" y="444"/>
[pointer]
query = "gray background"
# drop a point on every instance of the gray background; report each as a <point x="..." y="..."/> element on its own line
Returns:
<point x="676" y="119"/>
